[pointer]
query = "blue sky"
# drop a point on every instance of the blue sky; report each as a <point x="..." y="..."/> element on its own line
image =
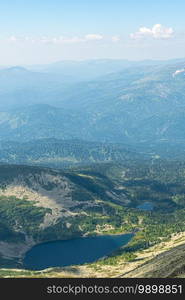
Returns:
<point x="44" y="31"/>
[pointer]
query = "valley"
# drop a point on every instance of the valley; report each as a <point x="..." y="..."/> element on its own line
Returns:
<point x="90" y="157"/>
<point x="39" y="205"/>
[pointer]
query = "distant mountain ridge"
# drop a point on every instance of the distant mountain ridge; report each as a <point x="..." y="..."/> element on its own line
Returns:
<point x="138" y="104"/>
<point x="93" y="68"/>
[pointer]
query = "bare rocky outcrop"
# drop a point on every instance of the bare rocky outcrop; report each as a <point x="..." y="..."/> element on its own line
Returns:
<point x="44" y="189"/>
<point x="16" y="250"/>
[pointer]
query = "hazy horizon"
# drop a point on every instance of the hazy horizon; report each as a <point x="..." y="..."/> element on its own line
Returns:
<point x="43" y="33"/>
<point x="91" y="59"/>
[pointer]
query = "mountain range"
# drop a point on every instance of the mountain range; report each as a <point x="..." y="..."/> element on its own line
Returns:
<point x="85" y="148"/>
<point x="135" y="105"/>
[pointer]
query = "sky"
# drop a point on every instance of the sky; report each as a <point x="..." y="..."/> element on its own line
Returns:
<point x="45" y="31"/>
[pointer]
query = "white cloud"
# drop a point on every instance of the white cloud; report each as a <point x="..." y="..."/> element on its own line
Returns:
<point x="57" y="40"/>
<point x="12" y="39"/>
<point x="71" y="40"/>
<point x="115" y="38"/>
<point x="60" y="40"/>
<point x="157" y="32"/>
<point x="15" y="39"/>
<point x="93" y="37"/>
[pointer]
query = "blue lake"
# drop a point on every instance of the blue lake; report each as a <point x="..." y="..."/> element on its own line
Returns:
<point x="73" y="252"/>
<point x="146" y="206"/>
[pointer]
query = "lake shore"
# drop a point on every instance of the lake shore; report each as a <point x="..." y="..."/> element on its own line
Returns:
<point x="61" y="253"/>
